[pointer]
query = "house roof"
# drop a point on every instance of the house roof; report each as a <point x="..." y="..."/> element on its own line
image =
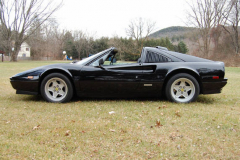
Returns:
<point x="25" y="44"/>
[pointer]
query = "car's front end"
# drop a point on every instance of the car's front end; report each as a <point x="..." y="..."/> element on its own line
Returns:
<point x="27" y="82"/>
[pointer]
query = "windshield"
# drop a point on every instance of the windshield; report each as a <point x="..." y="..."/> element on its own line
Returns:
<point x="92" y="57"/>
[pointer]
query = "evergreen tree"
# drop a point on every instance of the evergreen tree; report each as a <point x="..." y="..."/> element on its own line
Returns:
<point x="69" y="45"/>
<point x="182" y="47"/>
<point x="100" y="44"/>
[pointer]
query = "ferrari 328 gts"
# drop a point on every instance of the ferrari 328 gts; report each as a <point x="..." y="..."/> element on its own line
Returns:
<point x="180" y="77"/>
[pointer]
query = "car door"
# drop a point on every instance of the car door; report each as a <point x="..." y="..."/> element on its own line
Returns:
<point x="151" y="80"/>
<point x="154" y="71"/>
<point x="110" y="81"/>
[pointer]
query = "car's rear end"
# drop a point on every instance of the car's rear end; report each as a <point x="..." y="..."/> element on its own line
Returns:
<point x="213" y="78"/>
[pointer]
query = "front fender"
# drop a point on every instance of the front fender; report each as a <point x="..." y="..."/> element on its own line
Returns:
<point x="51" y="70"/>
<point x="58" y="70"/>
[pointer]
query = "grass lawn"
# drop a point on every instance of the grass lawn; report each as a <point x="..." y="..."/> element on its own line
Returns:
<point x="31" y="128"/>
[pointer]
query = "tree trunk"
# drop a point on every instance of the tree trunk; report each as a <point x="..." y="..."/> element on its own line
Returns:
<point x="205" y="46"/>
<point x="236" y="41"/>
<point x="14" y="54"/>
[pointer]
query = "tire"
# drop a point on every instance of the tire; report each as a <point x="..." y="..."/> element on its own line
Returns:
<point x="182" y="88"/>
<point x="56" y="88"/>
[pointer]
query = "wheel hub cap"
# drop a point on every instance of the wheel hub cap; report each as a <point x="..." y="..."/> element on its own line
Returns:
<point x="182" y="90"/>
<point x="56" y="89"/>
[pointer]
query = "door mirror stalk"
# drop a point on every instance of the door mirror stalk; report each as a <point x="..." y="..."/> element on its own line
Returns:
<point x="100" y="64"/>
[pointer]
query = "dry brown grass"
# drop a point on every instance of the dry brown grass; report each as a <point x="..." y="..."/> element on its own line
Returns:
<point x="139" y="129"/>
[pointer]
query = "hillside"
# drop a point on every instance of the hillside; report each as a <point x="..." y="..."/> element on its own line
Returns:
<point x="174" y="31"/>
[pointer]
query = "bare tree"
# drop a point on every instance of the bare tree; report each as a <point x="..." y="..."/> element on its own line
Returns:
<point x="52" y="47"/>
<point x="17" y="16"/>
<point x="80" y="40"/>
<point x="46" y="41"/>
<point x="59" y="37"/>
<point x="232" y="22"/>
<point x="205" y="15"/>
<point x="139" y="29"/>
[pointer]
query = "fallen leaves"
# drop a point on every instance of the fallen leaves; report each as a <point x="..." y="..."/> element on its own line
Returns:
<point x="112" y="112"/>
<point x="232" y="129"/>
<point x="177" y="113"/>
<point x="173" y="136"/>
<point x="67" y="133"/>
<point x="158" y="123"/>
<point x="179" y="147"/>
<point x="164" y="106"/>
<point x="36" y="127"/>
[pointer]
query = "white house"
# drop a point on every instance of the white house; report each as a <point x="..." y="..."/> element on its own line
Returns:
<point x="25" y="50"/>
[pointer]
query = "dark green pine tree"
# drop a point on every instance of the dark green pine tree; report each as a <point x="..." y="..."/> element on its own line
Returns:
<point x="182" y="47"/>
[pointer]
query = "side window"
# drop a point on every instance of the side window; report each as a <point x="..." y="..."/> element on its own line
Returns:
<point x="156" y="58"/>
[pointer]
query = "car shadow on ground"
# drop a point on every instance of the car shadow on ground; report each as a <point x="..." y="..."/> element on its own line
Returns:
<point x="32" y="98"/>
<point x="120" y="99"/>
<point x="201" y="99"/>
<point x="38" y="98"/>
<point x="205" y="99"/>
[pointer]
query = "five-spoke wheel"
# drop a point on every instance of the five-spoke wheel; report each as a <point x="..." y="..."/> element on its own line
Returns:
<point x="182" y="88"/>
<point x="56" y="87"/>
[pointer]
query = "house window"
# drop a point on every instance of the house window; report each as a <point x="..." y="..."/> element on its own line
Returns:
<point x="27" y="49"/>
<point x="23" y="55"/>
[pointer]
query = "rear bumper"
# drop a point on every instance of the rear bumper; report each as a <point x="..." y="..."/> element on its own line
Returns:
<point x="213" y="87"/>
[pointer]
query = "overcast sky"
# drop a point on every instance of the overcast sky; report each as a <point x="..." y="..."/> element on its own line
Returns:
<point x="111" y="17"/>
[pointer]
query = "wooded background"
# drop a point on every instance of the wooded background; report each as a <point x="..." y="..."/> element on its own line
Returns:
<point x="211" y="32"/>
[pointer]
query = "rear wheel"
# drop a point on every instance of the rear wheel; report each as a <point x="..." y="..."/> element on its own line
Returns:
<point x="56" y="88"/>
<point x="182" y="88"/>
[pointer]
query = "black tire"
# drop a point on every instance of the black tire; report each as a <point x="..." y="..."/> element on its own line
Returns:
<point x="56" y="88"/>
<point x="182" y="88"/>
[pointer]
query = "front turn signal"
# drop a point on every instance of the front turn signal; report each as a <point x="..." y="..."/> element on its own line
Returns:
<point x="30" y="77"/>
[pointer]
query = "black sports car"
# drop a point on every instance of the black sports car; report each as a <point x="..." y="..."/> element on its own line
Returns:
<point x="158" y="71"/>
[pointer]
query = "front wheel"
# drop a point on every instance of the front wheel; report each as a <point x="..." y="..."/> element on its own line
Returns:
<point x="182" y="88"/>
<point x="56" y="88"/>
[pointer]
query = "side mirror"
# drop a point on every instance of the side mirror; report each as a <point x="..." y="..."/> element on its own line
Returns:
<point x="139" y="60"/>
<point x="100" y="62"/>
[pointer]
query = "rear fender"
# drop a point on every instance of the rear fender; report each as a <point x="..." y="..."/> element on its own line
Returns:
<point x="190" y="71"/>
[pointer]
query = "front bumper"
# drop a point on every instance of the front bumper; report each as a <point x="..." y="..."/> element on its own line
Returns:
<point x="25" y="86"/>
<point x="213" y="86"/>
